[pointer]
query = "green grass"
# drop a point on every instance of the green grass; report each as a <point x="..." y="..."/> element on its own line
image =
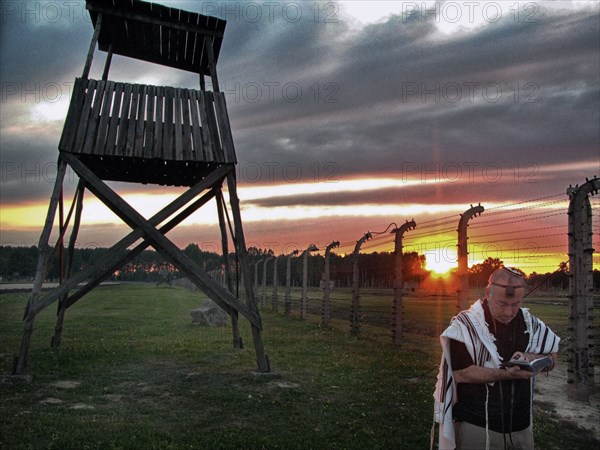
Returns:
<point x="149" y="379"/>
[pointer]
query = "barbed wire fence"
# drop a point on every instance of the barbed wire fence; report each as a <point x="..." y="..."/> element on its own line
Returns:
<point x="532" y="235"/>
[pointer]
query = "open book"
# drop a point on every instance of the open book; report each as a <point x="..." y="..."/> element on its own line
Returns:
<point x="536" y="366"/>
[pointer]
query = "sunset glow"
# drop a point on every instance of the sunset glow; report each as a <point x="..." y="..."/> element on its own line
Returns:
<point x="329" y="145"/>
<point x="439" y="263"/>
<point x="331" y="186"/>
<point x="438" y="244"/>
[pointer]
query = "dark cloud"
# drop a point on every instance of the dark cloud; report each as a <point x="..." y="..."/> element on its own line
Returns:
<point x="42" y="41"/>
<point x="28" y="166"/>
<point x="517" y="89"/>
<point x="310" y="100"/>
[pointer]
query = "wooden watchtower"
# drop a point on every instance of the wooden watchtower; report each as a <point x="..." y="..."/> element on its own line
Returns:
<point x="153" y="135"/>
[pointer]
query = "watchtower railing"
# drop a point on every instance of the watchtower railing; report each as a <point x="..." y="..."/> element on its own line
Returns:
<point x="108" y="118"/>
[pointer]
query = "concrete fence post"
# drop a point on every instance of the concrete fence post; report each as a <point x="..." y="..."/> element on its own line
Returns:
<point x="311" y="248"/>
<point x="326" y="310"/>
<point x="355" y="315"/>
<point x="397" y="310"/>
<point x="288" y="284"/>
<point x="463" y="255"/>
<point x="580" y="372"/>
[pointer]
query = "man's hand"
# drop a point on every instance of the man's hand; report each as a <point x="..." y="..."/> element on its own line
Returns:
<point x="480" y="375"/>
<point x="521" y="356"/>
<point x="516" y="373"/>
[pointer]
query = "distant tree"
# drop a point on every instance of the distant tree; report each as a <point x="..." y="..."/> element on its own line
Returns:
<point x="252" y="252"/>
<point x="480" y="273"/>
<point x="206" y="260"/>
<point x="413" y="266"/>
<point x="560" y="278"/>
<point x="376" y="268"/>
<point x="19" y="262"/>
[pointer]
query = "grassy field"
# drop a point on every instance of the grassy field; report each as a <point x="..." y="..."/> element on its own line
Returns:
<point x="134" y="373"/>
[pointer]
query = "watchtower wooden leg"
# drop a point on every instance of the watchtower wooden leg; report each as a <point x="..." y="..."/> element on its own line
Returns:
<point x="62" y="305"/>
<point x="40" y="274"/>
<point x="164" y="246"/>
<point x="262" y="358"/>
<point x="106" y="266"/>
<point x="118" y="253"/>
<point x="235" y="327"/>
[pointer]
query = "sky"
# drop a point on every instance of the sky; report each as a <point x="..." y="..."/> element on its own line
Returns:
<point x="346" y="116"/>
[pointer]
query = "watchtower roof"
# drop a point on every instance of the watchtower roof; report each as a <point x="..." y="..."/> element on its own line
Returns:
<point x="158" y="34"/>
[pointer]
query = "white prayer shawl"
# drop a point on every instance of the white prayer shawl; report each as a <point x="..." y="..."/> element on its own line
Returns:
<point x="469" y="327"/>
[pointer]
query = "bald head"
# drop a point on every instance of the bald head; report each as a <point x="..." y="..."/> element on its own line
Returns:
<point x="509" y="279"/>
<point x="505" y="291"/>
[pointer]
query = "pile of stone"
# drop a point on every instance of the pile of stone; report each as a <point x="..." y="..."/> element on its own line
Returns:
<point x="209" y="314"/>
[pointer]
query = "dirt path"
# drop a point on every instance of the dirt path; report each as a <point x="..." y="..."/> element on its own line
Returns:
<point x="552" y="389"/>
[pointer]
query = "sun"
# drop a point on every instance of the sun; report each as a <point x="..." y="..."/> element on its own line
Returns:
<point x="439" y="264"/>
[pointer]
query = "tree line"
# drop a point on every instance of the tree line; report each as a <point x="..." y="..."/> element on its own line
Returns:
<point x="19" y="264"/>
<point x="375" y="269"/>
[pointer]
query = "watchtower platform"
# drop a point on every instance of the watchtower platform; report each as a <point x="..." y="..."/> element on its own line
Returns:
<point x="147" y="134"/>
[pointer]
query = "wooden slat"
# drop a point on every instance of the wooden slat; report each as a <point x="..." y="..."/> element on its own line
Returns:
<point x="203" y="55"/>
<point x="164" y="41"/>
<point x="167" y="35"/>
<point x="147" y="28"/>
<point x="94" y="118"/>
<point x="139" y="131"/>
<point x="178" y="131"/>
<point x="135" y="98"/>
<point x="198" y="154"/>
<point x="167" y="152"/>
<point x="213" y="128"/>
<point x="158" y="125"/>
<point x="73" y="115"/>
<point x="156" y="30"/>
<point x="150" y="121"/>
<point x="224" y="128"/>
<point x="189" y="40"/>
<point x="113" y="126"/>
<point x="207" y="144"/>
<point x="206" y="40"/>
<point x="98" y="147"/>
<point x="179" y="34"/>
<point x="197" y="48"/>
<point x="124" y="121"/>
<point x="187" y="128"/>
<point x="85" y="114"/>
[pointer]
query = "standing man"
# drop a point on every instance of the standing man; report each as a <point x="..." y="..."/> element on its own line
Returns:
<point x="478" y="404"/>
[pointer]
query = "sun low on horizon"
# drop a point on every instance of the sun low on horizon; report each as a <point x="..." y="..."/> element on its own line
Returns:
<point x="439" y="264"/>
